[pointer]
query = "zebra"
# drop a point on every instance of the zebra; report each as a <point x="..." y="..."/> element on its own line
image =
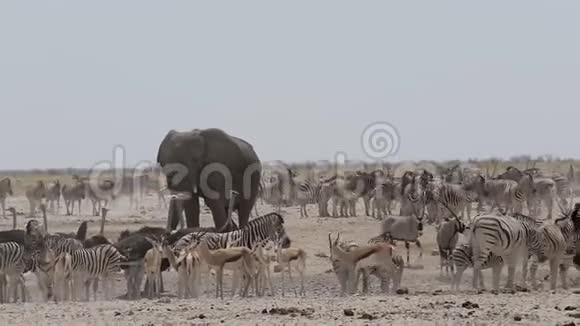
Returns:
<point x="500" y="192"/>
<point x="59" y="244"/>
<point x="455" y="196"/>
<point x="307" y="192"/>
<point x="134" y="187"/>
<point x="324" y="195"/>
<point x="557" y="238"/>
<point x="5" y="191"/>
<point x="525" y="189"/>
<point x="53" y="193"/>
<point x="453" y="175"/>
<point x="363" y="183"/>
<point x="501" y="235"/>
<point x="35" y="194"/>
<point x="461" y="258"/>
<point x="546" y="193"/>
<point x="74" y="193"/>
<point x="265" y="227"/>
<point x="100" y="194"/>
<point x="382" y="197"/>
<point x="87" y="265"/>
<point x="412" y="194"/>
<point x="17" y="259"/>
<point x="534" y="241"/>
<point x="563" y="189"/>
<point x="275" y="190"/>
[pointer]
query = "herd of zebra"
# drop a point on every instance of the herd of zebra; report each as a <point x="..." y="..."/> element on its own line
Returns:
<point x="499" y="234"/>
<point x="98" y="193"/>
<point x="416" y="191"/>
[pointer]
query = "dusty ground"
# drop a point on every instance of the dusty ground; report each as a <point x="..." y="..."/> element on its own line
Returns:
<point x="428" y="301"/>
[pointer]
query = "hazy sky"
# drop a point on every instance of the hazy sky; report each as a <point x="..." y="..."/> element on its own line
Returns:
<point x="300" y="80"/>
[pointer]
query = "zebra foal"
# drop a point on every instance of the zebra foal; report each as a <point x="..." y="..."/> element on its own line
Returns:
<point x="86" y="266"/>
<point x="462" y="258"/>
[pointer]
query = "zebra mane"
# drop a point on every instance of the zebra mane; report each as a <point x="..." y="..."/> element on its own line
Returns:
<point x="264" y="218"/>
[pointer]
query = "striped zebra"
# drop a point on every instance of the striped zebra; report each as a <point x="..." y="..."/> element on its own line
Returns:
<point x="456" y="197"/>
<point x="90" y="264"/>
<point x="503" y="236"/>
<point x="100" y="193"/>
<point x="307" y="192"/>
<point x="557" y="238"/>
<point x="266" y="227"/>
<point x="17" y="259"/>
<point x="462" y="258"/>
<point x="74" y="193"/>
<point x="501" y="193"/>
<point x="382" y="198"/>
<point x="53" y="193"/>
<point x="525" y="191"/>
<point x="363" y="183"/>
<point x="412" y="195"/>
<point x="534" y="241"/>
<point x="564" y="189"/>
<point x="545" y="193"/>
<point x="60" y="244"/>
<point x="5" y="191"/>
<point x="324" y="195"/>
<point x="35" y="194"/>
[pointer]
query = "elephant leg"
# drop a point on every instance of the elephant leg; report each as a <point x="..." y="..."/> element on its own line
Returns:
<point x="218" y="211"/>
<point x="191" y="208"/>
<point x="244" y="210"/>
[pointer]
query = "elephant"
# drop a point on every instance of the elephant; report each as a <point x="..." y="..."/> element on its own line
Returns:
<point x="188" y="159"/>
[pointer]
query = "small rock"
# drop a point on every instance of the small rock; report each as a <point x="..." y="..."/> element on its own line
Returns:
<point x="201" y="316"/>
<point x="293" y="314"/>
<point x="130" y="313"/>
<point x="265" y="311"/>
<point x="348" y="312"/>
<point x="117" y="313"/>
<point x="403" y="291"/>
<point x="574" y="315"/>
<point x="518" y="318"/>
<point x="569" y="308"/>
<point x="367" y="316"/>
<point x="469" y="305"/>
<point x="569" y="324"/>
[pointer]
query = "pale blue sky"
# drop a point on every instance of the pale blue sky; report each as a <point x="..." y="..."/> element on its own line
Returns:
<point x="298" y="79"/>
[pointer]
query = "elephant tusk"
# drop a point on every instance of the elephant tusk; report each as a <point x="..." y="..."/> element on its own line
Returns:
<point x="181" y="195"/>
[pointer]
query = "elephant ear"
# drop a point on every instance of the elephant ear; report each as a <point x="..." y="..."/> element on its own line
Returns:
<point x="164" y="147"/>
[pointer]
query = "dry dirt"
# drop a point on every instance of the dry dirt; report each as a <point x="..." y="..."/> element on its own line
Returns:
<point x="429" y="300"/>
